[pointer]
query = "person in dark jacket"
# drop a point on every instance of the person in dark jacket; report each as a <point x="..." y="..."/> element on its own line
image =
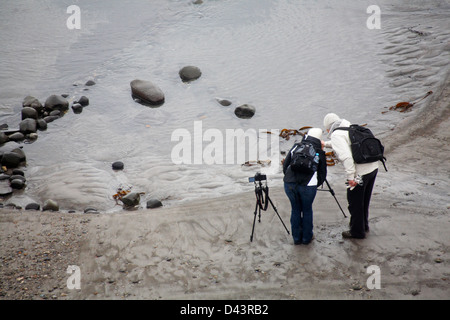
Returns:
<point x="301" y="189"/>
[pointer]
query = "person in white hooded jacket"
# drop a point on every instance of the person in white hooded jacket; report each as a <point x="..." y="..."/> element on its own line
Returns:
<point x="358" y="194"/>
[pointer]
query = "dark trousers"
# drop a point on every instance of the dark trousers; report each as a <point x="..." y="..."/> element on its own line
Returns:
<point x="358" y="205"/>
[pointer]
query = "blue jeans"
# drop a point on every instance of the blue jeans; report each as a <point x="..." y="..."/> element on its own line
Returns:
<point x="301" y="198"/>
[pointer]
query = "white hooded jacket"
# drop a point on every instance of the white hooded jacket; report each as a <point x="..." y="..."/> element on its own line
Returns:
<point x="340" y="143"/>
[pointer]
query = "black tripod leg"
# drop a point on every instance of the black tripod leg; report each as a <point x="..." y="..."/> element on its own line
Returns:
<point x="275" y="209"/>
<point x="254" y="220"/>
<point x="333" y="194"/>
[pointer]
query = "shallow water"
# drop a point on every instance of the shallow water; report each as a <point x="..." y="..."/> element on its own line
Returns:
<point x="294" y="61"/>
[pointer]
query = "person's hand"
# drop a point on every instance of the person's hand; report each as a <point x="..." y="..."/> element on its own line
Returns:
<point x="322" y="143"/>
<point x="352" y="183"/>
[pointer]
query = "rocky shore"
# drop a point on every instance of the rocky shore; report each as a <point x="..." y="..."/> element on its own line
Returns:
<point x="37" y="116"/>
<point x="201" y="250"/>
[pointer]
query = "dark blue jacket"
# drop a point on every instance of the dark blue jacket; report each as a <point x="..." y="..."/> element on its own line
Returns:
<point x="302" y="178"/>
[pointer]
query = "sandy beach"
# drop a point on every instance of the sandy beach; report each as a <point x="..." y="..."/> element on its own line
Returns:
<point x="202" y="250"/>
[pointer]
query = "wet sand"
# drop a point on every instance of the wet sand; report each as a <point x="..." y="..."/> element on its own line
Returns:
<point x="202" y="250"/>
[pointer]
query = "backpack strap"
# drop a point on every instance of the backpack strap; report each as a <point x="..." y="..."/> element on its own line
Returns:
<point x="343" y="128"/>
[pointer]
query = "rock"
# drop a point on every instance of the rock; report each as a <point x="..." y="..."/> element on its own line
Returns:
<point x="224" y="102"/>
<point x="147" y="92"/>
<point x="90" y="83"/>
<point x="28" y="125"/>
<point x="154" y="203"/>
<point x="41" y="124"/>
<point x="21" y="154"/>
<point x="5" y="188"/>
<point x="55" y="102"/>
<point x="118" y="165"/>
<point x="28" y="112"/>
<point x="91" y="210"/>
<point x="50" y="205"/>
<point x="32" y="136"/>
<point x="55" y="113"/>
<point x="33" y="206"/>
<point x="197" y="1"/>
<point x="34" y="103"/>
<point x="4" y="176"/>
<point x="190" y="73"/>
<point x="18" y="136"/>
<point x="17" y="177"/>
<point x="245" y="111"/>
<point x="11" y="160"/>
<point x="131" y="200"/>
<point x="18" y="172"/>
<point x="17" y="184"/>
<point x="49" y="119"/>
<point x="84" y="101"/>
<point x="3" y="138"/>
<point x="77" y="108"/>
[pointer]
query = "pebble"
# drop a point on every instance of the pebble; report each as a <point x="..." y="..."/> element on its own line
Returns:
<point x="153" y="203"/>
<point x="245" y="111"/>
<point x="118" y="165"/>
<point x="224" y="102"/>
<point x="33" y="206"/>
<point x="90" y="210"/>
<point x="77" y="108"/>
<point x="50" y="205"/>
<point x="190" y="73"/>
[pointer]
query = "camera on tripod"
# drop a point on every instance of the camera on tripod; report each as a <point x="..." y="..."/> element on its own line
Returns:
<point x="258" y="177"/>
<point x="262" y="200"/>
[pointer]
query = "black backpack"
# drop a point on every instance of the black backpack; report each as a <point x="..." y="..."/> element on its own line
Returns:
<point x="303" y="158"/>
<point x="365" y="147"/>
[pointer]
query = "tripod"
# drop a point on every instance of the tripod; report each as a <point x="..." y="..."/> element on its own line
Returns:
<point x="262" y="192"/>
<point x="333" y="194"/>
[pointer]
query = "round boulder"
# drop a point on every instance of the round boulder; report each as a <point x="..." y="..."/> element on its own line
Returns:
<point x="34" y="103"/>
<point x="17" y="136"/>
<point x="190" y="73"/>
<point x="28" y="125"/>
<point x="146" y="92"/>
<point x="42" y="124"/>
<point x="55" y="102"/>
<point x="245" y="111"/>
<point x="21" y="153"/>
<point x="17" y="184"/>
<point x="11" y="159"/>
<point x="28" y="112"/>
